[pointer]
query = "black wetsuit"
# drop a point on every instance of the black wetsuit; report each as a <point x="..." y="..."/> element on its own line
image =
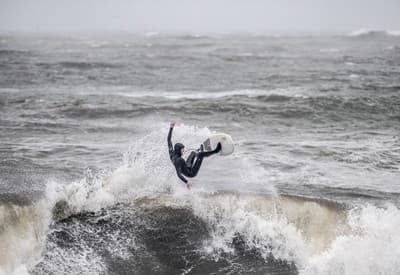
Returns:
<point x="190" y="167"/>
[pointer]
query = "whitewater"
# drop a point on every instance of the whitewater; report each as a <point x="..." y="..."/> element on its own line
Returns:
<point x="87" y="187"/>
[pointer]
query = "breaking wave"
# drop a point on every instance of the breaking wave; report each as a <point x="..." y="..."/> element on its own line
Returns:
<point x="137" y="218"/>
<point x="374" y="33"/>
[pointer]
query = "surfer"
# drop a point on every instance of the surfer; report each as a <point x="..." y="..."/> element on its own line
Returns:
<point x="190" y="167"/>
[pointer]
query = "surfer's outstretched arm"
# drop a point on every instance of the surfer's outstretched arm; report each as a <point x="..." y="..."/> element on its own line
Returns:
<point x="170" y="148"/>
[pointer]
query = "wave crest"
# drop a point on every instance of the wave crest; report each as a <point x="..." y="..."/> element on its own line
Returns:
<point x="374" y="33"/>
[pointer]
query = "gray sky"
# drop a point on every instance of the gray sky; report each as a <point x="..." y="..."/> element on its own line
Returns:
<point x="255" y="16"/>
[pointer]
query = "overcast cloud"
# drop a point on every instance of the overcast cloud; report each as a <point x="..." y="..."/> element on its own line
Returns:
<point x="255" y="16"/>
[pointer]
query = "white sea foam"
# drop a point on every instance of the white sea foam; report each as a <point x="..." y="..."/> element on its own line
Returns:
<point x="260" y="227"/>
<point x="359" y="32"/>
<point x="96" y="43"/>
<point x="294" y="92"/>
<point x="364" y="32"/>
<point x="329" y="50"/>
<point x="151" y="34"/>
<point x="23" y="231"/>
<point x="354" y="76"/>
<point x="371" y="247"/>
<point x="245" y="54"/>
<point x="82" y="260"/>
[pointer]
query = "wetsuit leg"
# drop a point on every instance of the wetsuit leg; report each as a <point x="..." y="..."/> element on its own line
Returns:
<point x="200" y="156"/>
<point x="196" y="166"/>
<point x="209" y="153"/>
<point x="206" y="154"/>
<point x="190" y="159"/>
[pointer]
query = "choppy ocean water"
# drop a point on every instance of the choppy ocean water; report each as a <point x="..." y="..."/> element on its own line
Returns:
<point x="86" y="186"/>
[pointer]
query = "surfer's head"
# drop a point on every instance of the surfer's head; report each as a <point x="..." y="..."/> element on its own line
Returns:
<point x="179" y="149"/>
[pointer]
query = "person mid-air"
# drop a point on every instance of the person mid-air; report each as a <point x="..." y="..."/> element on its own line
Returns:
<point x="190" y="167"/>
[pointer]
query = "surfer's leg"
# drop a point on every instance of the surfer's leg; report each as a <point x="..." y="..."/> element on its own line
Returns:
<point x="196" y="167"/>
<point x="209" y="153"/>
<point x="200" y="156"/>
<point x="190" y="159"/>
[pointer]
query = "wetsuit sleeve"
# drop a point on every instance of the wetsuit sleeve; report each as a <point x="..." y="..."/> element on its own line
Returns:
<point x="179" y="171"/>
<point x="170" y="148"/>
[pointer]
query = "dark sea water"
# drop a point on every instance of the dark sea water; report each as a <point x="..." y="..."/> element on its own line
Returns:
<point x="86" y="185"/>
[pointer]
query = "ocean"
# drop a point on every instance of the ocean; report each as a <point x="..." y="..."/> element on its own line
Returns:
<point x="87" y="187"/>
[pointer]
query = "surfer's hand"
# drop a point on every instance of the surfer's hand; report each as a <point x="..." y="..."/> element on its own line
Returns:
<point x="173" y="122"/>
<point x="188" y="185"/>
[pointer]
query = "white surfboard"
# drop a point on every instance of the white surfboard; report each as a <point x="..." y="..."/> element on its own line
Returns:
<point x="225" y="140"/>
